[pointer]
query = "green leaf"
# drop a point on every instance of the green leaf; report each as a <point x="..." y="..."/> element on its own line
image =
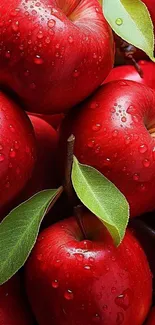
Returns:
<point x="19" y="231"/>
<point x="131" y="21"/>
<point x="102" y="198"/>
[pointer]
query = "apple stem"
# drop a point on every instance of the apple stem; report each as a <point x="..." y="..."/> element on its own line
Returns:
<point x="68" y="170"/>
<point x="78" y="210"/>
<point x="129" y="50"/>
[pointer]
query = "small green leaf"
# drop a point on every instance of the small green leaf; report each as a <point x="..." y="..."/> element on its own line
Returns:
<point x="19" y="231"/>
<point x="131" y="21"/>
<point x="102" y="198"/>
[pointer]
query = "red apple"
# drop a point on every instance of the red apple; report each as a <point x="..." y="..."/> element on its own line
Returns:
<point x="17" y="151"/>
<point x="13" y="305"/>
<point x="54" y="53"/>
<point x="44" y="174"/>
<point x="71" y="280"/>
<point x="114" y="131"/>
<point x="129" y="72"/>
<point x="151" y="319"/>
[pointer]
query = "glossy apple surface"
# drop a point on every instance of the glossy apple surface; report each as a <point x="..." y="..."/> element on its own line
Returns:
<point x="54" y="53"/>
<point x="114" y="131"/>
<point x="13" y="305"/>
<point x="128" y="72"/>
<point x="17" y="150"/>
<point x="71" y="280"/>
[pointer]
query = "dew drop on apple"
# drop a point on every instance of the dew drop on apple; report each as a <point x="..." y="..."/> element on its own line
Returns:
<point x="143" y="148"/>
<point x="55" y="284"/>
<point x="146" y="163"/>
<point x="18" y="171"/>
<point x="79" y="257"/>
<point x="123" y="119"/>
<point x="38" y="60"/>
<point x="119" y="21"/>
<point x="91" y="143"/>
<point x="96" y="127"/>
<point x="120" y="318"/>
<point x="69" y="295"/>
<point x="76" y="73"/>
<point x="40" y="35"/>
<point x="39" y="257"/>
<point x="1" y="147"/>
<point x="96" y="318"/>
<point x="124" y="299"/>
<point x="15" y="26"/>
<point x="33" y="86"/>
<point x="12" y="153"/>
<point x="115" y="133"/>
<point x="2" y="157"/>
<point x="47" y="40"/>
<point x="51" y="23"/>
<point x="136" y="177"/>
<point x="70" y="39"/>
<point x="113" y="290"/>
<point x="8" y="54"/>
<point x="7" y="185"/>
<point x="87" y="267"/>
<point x="105" y="307"/>
<point x="130" y="109"/>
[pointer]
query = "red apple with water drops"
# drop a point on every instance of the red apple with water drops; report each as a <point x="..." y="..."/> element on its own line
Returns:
<point x="114" y="132"/>
<point x="54" y="53"/>
<point x="151" y="318"/>
<point x="128" y="72"/>
<point x="14" y="309"/>
<point x="44" y="175"/>
<point x="75" y="280"/>
<point x="17" y="151"/>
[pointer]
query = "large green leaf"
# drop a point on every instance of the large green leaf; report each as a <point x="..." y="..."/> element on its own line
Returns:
<point x="102" y="198"/>
<point x="130" y="19"/>
<point x="19" y="231"/>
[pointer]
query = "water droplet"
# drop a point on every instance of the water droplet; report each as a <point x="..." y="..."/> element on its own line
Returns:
<point x="55" y="284"/>
<point x="130" y="109"/>
<point x="146" y="163"/>
<point x="123" y="119"/>
<point x="91" y="259"/>
<point x="124" y="300"/>
<point x="34" y="12"/>
<point x="70" y="39"/>
<point x="1" y="157"/>
<point x="142" y="187"/>
<point x="8" y="54"/>
<point x="47" y="40"/>
<point x="12" y="153"/>
<point x="136" y="177"/>
<point x="51" y="23"/>
<point x="87" y="267"/>
<point x="120" y="318"/>
<point x="105" y="307"/>
<point x="12" y="128"/>
<point x="115" y="133"/>
<point x="91" y="143"/>
<point x="38" y="4"/>
<point x="1" y="147"/>
<point x="26" y="73"/>
<point x="127" y="140"/>
<point x="143" y="148"/>
<point x="33" y="86"/>
<point x="96" y="318"/>
<point x="69" y="295"/>
<point x="96" y="127"/>
<point x="15" y="26"/>
<point x="113" y="290"/>
<point x="40" y="34"/>
<point x="79" y="257"/>
<point x="7" y="185"/>
<point x="94" y="105"/>
<point x="76" y="73"/>
<point x="38" y="60"/>
<point x="113" y="110"/>
<point x="119" y="21"/>
<point x="10" y="165"/>
<point x="17" y="170"/>
<point x="135" y="118"/>
<point x="94" y="55"/>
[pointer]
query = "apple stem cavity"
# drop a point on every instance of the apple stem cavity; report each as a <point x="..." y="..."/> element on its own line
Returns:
<point x="78" y="211"/>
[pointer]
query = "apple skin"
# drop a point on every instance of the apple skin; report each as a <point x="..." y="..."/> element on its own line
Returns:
<point x="13" y="305"/>
<point x="111" y="134"/>
<point x="54" y="120"/>
<point x="44" y="173"/>
<point x="71" y="280"/>
<point x="151" y="319"/>
<point x="128" y="72"/>
<point x="17" y="151"/>
<point x="55" y="53"/>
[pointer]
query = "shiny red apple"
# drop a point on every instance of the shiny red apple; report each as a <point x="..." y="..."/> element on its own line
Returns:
<point x="114" y="132"/>
<point x="17" y="151"/>
<point x="14" y="309"/>
<point x="128" y="72"/>
<point x="53" y="54"/>
<point x="73" y="280"/>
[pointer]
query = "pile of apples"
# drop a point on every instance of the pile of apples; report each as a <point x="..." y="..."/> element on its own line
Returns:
<point x="58" y="76"/>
